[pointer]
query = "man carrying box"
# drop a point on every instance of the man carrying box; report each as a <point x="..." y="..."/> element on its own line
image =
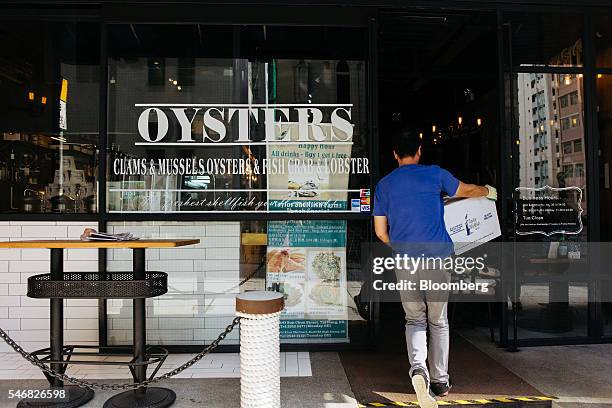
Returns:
<point x="408" y="208"/>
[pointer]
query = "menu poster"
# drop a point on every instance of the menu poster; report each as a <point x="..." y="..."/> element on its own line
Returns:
<point x="306" y="261"/>
<point x="548" y="210"/>
<point x="316" y="175"/>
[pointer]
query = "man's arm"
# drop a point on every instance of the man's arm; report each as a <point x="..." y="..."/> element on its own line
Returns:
<point x="381" y="228"/>
<point x="473" y="190"/>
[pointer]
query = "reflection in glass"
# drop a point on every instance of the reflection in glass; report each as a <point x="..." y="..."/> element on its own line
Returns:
<point x="49" y="117"/>
<point x="604" y="122"/>
<point x="603" y="41"/>
<point x="549" y="119"/>
<point x="193" y="131"/>
<point x="234" y="257"/>
<point x="537" y="39"/>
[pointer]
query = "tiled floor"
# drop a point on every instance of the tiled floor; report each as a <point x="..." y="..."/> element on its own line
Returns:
<point x="217" y="365"/>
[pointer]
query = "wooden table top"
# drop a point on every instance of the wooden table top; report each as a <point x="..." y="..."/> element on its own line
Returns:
<point x="75" y="243"/>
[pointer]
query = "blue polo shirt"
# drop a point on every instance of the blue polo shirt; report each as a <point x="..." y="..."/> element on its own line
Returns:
<point x="411" y="199"/>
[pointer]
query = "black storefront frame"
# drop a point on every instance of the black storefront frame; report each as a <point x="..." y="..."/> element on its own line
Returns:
<point x="365" y="17"/>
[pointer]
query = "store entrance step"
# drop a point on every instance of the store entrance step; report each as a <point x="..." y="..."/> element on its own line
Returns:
<point x="505" y="402"/>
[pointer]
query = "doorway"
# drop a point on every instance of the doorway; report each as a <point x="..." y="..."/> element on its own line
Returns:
<point x="438" y="75"/>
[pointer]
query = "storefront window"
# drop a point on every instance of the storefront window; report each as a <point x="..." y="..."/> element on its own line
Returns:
<point x="49" y="82"/>
<point x="537" y="39"/>
<point x="198" y="130"/>
<point x="603" y="41"/>
<point x="550" y="205"/>
<point x="314" y="263"/>
<point x="604" y="123"/>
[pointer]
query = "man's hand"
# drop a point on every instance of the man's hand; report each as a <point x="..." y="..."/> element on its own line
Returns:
<point x="492" y="195"/>
<point x="472" y="190"/>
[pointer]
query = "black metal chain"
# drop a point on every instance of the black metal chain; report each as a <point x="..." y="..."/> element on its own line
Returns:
<point x="118" y="386"/>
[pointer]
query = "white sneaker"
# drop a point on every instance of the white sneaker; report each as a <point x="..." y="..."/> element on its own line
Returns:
<point x="421" y="387"/>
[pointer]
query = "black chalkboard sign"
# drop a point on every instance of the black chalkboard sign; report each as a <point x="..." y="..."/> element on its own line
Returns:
<point x="548" y="210"/>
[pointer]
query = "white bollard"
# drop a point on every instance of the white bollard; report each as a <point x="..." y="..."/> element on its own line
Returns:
<point x="259" y="348"/>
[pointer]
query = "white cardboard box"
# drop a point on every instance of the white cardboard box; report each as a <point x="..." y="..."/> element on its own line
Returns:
<point x="471" y="222"/>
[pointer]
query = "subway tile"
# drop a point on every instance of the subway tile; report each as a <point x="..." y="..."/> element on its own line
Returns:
<point x="34" y="324"/>
<point x="87" y="254"/>
<point x="216" y="265"/>
<point x="182" y="253"/>
<point x="31" y="223"/>
<point x="9" y="301"/>
<point x="4" y="312"/>
<point x="84" y="224"/>
<point x="26" y="302"/>
<point x="28" y="312"/>
<point x="4" y="289"/>
<point x="170" y="265"/>
<point x="10" y="231"/>
<point x="80" y="312"/>
<point x="222" y="253"/>
<point x="166" y="335"/>
<point x="181" y="231"/>
<point x="35" y="254"/>
<point x="29" y="335"/>
<point x="72" y="336"/>
<point x="219" y="241"/>
<point x="81" y="266"/>
<point x="4" y="266"/>
<point x="180" y="323"/>
<point x="221" y="286"/>
<point x="223" y="229"/>
<point x="118" y="266"/>
<point x="29" y="266"/>
<point x="81" y="302"/>
<point x="10" y="254"/>
<point x="10" y="324"/>
<point x="48" y="231"/>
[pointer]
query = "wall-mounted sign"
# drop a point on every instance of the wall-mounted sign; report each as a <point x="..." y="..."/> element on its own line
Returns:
<point x="63" y="100"/>
<point x="548" y="210"/>
<point x="306" y="261"/>
<point x="238" y="157"/>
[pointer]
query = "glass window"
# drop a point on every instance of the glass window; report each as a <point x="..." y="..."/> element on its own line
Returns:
<point x="49" y="82"/>
<point x="557" y="181"/>
<point x="604" y="124"/>
<point x="564" y="101"/>
<point x="603" y="41"/>
<point x="573" y="98"/>
<point x="194" y="129"/>
<point x="234" y="257"/>
<point x="537" y="40"/>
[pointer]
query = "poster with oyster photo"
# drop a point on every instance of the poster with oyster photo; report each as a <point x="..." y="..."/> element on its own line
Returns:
<point x="306" y="261"/>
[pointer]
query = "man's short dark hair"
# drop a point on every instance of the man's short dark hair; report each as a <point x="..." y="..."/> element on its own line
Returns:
<point x="406" y="142"/>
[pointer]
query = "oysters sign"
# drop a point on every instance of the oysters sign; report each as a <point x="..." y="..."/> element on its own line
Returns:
<point x="208" y="124"/>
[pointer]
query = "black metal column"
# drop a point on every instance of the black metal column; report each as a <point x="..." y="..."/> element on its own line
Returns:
<point x="56" y="332"/>
<point x="139" y="322"/>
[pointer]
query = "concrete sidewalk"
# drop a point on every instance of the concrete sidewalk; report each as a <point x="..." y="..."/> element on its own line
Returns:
<point x="328" y="387"/>
<point x="580" y="376"/>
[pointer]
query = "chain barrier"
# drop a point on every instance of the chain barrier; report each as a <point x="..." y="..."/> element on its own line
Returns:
<point x="118" y="386"/>
<point x="126" y="386"/>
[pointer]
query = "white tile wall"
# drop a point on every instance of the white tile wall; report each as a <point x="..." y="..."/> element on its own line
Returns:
<point x="203" y="281"/>
<point x="27" y="319"/>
